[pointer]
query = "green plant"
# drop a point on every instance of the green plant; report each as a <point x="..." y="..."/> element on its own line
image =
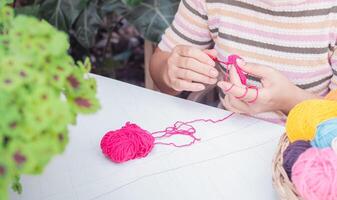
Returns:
<point x="41" y="92"/>
<point x="84" y="17"/>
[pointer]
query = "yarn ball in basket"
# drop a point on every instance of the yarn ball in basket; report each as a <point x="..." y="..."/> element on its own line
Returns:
<point x="326" y="132"/>
<point x="291" y="154"/>
<point x="128" y="143"/>
<point x="314" y="174"/>
<point x="332" y="95"/>
<point x="305" y="117"/>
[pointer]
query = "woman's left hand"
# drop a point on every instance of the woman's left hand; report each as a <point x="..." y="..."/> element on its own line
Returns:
<point x="276" y="94"/>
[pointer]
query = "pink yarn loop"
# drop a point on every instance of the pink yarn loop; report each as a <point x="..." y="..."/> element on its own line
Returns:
<point x="244" y="94"/>
<point x="184" y="128"/>
<point x="256" y="96"/>
<point x="179" y="128"/>
<point x="232" y="61"/>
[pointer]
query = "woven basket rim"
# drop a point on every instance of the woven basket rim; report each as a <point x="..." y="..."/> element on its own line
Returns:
<point x="282" y="184"/>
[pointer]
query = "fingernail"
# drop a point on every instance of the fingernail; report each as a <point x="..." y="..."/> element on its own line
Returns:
<point x="221" y="85"/>
<point x="241" y="62"/>
<point x="201" y="87"/>
<point x="214" y="73"/>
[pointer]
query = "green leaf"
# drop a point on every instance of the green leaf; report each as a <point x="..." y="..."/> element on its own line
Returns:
<point x="16" y="186"/>
<point x="62" y="13"/>
<point x="114" y="6"/>
<point x="32" y="10"/>
<point x="6" y="173"/>
<point x="152" y="17"/>
<point x="36" y="106"/>
<point x="5" y="2"/>
<point x="87" y="24"/>
<point x="132" y="2"/>
<point x="6" y="17"/>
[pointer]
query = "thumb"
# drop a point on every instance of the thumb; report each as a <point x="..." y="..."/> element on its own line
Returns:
<point x="256" y="70"/>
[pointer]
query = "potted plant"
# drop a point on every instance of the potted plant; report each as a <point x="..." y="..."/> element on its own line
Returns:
<point x="42" y="90"/>
<point x="85" y="21"/>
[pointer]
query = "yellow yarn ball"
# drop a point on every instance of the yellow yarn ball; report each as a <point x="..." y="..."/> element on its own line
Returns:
<point x="306" y="116"/>
<point x="332" y="95"/>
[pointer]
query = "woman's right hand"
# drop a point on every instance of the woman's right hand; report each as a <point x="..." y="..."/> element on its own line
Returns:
<point x="190" y="69"/>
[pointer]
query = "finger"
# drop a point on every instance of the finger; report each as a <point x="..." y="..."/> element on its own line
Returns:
<point x="243" y="106"/>
<point x="196" y="66"/>
<point x="211" y="52"/>
<point x="240" y="92"/>
<point x="237" y="105"/>
<point x="186" y="74"/>
<point x="259" y="71"/>
<point x="226" y="103"/>
<point x="183" y="85"/>
<point x="192" y="52"/>
<point x="234" y="76"/>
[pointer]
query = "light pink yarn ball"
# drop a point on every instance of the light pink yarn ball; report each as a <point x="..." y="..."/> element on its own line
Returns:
<point x="314" y="174"/>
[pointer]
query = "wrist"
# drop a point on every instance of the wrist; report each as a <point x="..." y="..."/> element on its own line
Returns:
<point x="297" y="96"/>
<point x="159" y="72"/>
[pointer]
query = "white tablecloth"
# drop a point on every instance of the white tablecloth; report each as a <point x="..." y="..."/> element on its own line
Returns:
<point x="232" y="160"/>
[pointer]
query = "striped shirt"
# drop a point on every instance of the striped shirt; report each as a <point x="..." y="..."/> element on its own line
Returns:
<point x="297" y="38"/>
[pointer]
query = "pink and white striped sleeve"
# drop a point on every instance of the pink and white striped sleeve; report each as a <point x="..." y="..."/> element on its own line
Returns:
<point x="333" y="63"/>
<point x="189" y="27"/>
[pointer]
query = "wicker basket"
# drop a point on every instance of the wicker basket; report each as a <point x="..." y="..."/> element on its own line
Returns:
<point x="281" y="182"/>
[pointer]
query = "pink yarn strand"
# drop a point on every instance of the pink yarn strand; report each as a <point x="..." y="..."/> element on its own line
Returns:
<point x="184" y="128"/>
<point x="132" y="142"/>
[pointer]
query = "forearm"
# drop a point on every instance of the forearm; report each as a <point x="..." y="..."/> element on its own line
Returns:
<point x="158" y="67"/>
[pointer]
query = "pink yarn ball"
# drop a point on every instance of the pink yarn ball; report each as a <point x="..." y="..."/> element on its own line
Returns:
<point x="128" y="143"/>
<point x="314" y="174"/>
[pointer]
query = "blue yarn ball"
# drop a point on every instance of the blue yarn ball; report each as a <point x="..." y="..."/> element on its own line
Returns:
<point x="326" y="132"/>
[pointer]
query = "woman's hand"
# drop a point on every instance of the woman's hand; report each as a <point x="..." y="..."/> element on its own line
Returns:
<point x="276" y="94"/>
<point x="189" y="69"/>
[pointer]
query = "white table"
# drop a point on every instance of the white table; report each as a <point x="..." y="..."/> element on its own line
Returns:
<point x="232" y="161"/>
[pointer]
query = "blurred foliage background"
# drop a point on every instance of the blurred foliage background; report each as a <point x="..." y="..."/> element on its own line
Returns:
<point x="110" y="32"/>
